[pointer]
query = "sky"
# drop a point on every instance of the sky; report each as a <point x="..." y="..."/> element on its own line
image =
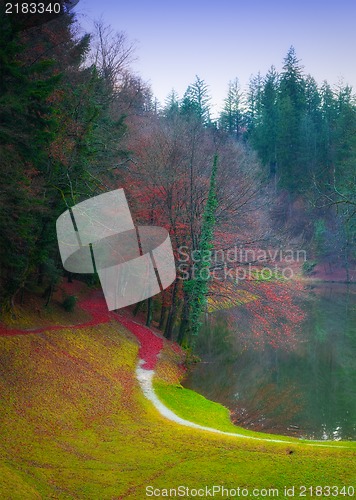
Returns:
<point x="225" y="39"/>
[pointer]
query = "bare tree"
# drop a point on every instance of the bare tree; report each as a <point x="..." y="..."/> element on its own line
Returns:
<point x="112" y="53"/>
<point x="168" y="183"/>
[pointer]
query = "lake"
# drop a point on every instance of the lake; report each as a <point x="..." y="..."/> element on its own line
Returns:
<point x="304" y="385"/>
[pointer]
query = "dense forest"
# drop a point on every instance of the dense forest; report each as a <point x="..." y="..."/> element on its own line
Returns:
<point x="276" y="169"/>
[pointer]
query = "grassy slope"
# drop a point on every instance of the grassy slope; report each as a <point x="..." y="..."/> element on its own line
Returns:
<point x="75" y="425"/>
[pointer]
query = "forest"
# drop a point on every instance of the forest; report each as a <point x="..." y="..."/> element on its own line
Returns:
<point x="273" y="172"/>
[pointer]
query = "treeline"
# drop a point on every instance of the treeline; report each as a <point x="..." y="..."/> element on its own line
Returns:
<point x="76" y="121"/>
<point x="305" y="136"/>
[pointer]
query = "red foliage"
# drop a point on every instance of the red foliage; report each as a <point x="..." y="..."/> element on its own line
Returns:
<point x="150" y="343"/>
<point x="274" y="318"/>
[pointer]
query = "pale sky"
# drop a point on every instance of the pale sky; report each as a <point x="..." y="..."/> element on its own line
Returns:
<point x="219" y="41"/>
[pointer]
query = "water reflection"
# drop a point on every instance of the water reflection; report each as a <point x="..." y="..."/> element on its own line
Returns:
<point x="305" y="387"/>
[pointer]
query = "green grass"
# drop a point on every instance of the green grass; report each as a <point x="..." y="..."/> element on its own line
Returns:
<point x="74" y="425"/>
<point x="194" y="407"/>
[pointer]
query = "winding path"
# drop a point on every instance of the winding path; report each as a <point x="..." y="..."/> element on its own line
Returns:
<point x="151" y="345"/>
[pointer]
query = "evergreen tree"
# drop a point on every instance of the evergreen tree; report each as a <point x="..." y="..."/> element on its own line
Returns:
<point x="264" y="136"/>
<point x="231" y="116"/>
<point x="254" y="104"/>
<point x="291" y="109"/>
<point x="195" y="103"/>
<point x="171" y="105"/>
<point x="329" y="117"/>
<point x="311" y="129"/>
<point x="58" y="143"/>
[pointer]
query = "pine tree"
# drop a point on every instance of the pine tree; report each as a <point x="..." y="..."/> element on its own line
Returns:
<point x="231" y="116"/>
<point x="57" y="124"/>
<point x="171" y="105"/>
<point x="264" y="137"/>
<point x="195" y="103"/>
<point x="254" y="104"/>
<point x="291" y="109"/>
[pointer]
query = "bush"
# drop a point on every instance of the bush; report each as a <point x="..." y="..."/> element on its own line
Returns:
<point x="69" y="303"/>
<point x="308" y="266"/>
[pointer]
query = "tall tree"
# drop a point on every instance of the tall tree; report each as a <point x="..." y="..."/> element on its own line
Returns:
<point x="291" y="109"/>
<point x="264" y="134"/>
<point x="253" y="103"/>
<point x="312" y="127"/>
<point x="171" y="104"/>
<point x="196" y="101"/>
<point x="53" y="115"/>
<point x="111" y="53"/>
<point x="231" y="116"/>
<point x="197" y="287"/>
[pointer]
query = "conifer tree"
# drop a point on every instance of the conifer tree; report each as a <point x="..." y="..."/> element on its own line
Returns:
<point x="231" y="116"/>
<point x="254" y="104"/>
<point x="264" y="137"/>
<point x="196" y="101"/>
<point x="291" y="109"/>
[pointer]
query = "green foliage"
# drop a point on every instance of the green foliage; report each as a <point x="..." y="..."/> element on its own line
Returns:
<point x="197" y="288"/>
<point x="171" y="108"/>
<point x="308" y="266"/>
<point x="27" y="128"/>
<point x="58" y="131"/>
<point x="195" y="103"/>
<point x="231" y="116"/>
<point x="69" y="303"/>
<point x="264" y="137"/>
<point x="305" y="135"/>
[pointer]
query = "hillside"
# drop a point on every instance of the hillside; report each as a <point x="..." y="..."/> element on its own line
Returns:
<point x="75" y="425"/>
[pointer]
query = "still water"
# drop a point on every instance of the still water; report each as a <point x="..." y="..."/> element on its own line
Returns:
<point x="304" y="387"/>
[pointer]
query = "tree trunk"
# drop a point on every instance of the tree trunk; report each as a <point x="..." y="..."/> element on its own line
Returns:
<point x="184" y="324"/>
<point x="40" y="275"/>
<point x="49" y="294"/>
<point x="149" y="312"/>
<point x="162" y="319"/>
<point x="137" y="308"/>
<point x="172" y="314"/>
